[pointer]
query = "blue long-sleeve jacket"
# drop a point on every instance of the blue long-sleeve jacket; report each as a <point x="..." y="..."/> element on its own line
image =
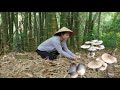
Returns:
<point x="54" y="43"/>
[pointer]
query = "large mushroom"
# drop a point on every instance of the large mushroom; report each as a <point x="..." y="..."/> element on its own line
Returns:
<point x="95" y="65"/>
<point x="110" y="60"/>
<point x="92" y="46"/>
<point x="104" y="65"/>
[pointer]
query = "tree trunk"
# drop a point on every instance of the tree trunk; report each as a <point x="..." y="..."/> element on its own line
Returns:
<point x="63" y="19"/>
<point x="99" y="18"/>
<point x="35" y="28"/>
<point x="31" y="39"/>
<point x="76" y="30"/>
<point x="11" y="29"/>
<point x="5" y="31"/>
<point x="70" y="26"/>
<point x="25" y="29"/>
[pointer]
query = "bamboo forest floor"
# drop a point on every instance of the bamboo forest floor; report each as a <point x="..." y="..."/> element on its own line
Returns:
<point x="30" y="65"/>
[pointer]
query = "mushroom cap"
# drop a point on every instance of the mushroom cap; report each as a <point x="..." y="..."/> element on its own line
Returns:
<point x="99" y="47"/>
<point x="72" y="68"/>
<point x="97" y="42"/>
<point x="94" y="40"/>
<point x="81" y="69"/>
<point x="74" y="75"/>
<point x="88" y="42"/>
<point x="85" y="46"/>
<point x="94" y="64"/>
<point x="99" y="59"/>
<point x="92" y="48"/>
<point x="108" y="58"/>
<point x="104" y="67"/>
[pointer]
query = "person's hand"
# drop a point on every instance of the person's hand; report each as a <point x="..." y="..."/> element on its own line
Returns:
<point x="76" y="57"/>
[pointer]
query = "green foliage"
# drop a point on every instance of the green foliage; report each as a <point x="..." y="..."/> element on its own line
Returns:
<point x="26" y="30"/>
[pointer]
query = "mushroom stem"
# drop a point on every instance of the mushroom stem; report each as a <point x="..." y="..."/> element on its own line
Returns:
<point x="91" y="54"/>
<point x="96" y="75"/>
<point x="110" y="70"/>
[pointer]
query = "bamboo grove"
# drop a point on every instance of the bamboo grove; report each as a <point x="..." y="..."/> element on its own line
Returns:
<point x="24" y="31"/>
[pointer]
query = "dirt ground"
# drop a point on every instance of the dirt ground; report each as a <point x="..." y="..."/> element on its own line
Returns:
<point x="31" y="65"/>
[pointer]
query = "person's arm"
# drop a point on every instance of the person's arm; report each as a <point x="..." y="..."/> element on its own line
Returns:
<point x="58" y="47"/>
<point x="67" y="50"/>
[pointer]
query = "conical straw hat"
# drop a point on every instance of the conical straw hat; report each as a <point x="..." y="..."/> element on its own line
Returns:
<point x="64" y="29"/>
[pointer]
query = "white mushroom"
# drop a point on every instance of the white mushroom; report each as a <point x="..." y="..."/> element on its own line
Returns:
<point x="88" y="42"/>
<point x="92" y="48"/>
<point x="91" y="55"/>
<point x="104" y="67"/>
<point x="109" y="58"/>
<point x="110" y="70"/>
<point x="81" y="69"/>
<point x="97" y="42"/>
<point x="74" y="75"/>
<point x="72" y="70"/>
<point x="85" y="46"/>
<point x="100" y="47"/>
<point x="94" y="40"/>
<point x="94" y="64"/>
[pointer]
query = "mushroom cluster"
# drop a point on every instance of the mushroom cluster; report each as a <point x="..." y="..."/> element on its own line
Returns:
<point x="75" y="70"/>
<point x="93" y="46"/>
<point x="104" y="62"/>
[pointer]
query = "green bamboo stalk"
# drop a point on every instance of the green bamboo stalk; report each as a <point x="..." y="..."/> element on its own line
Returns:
<point x="64" y="19"/>
<point x="4" y="30"/>
<point x="31" y="39"/>
<point x="77" y="30"/>
<point x="1" y="38"/>
<point x="35" y="28"/>
<point x="98" y="32"/>
<point x="25" y="30"/>
<point x="11" y="21"/>
<point x="70" y="26"/>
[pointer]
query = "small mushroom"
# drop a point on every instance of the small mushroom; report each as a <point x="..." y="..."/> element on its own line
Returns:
<point x="110" y="70"/>
<point x="72" y="70"/>
<point x="104" y="65"/>
<point x="81" y="69"/>
<point x="85" y="46"/>
<point x="74" y="75"/>
<point x="91" y="55"/>
<point x="100" y="47"/>
<point x="92" y="48"/>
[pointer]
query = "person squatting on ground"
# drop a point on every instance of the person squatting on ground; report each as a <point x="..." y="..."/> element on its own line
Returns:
<point x="56" y="45"/>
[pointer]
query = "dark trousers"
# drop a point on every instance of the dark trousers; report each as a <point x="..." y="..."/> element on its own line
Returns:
<point x="51" y="56"/>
